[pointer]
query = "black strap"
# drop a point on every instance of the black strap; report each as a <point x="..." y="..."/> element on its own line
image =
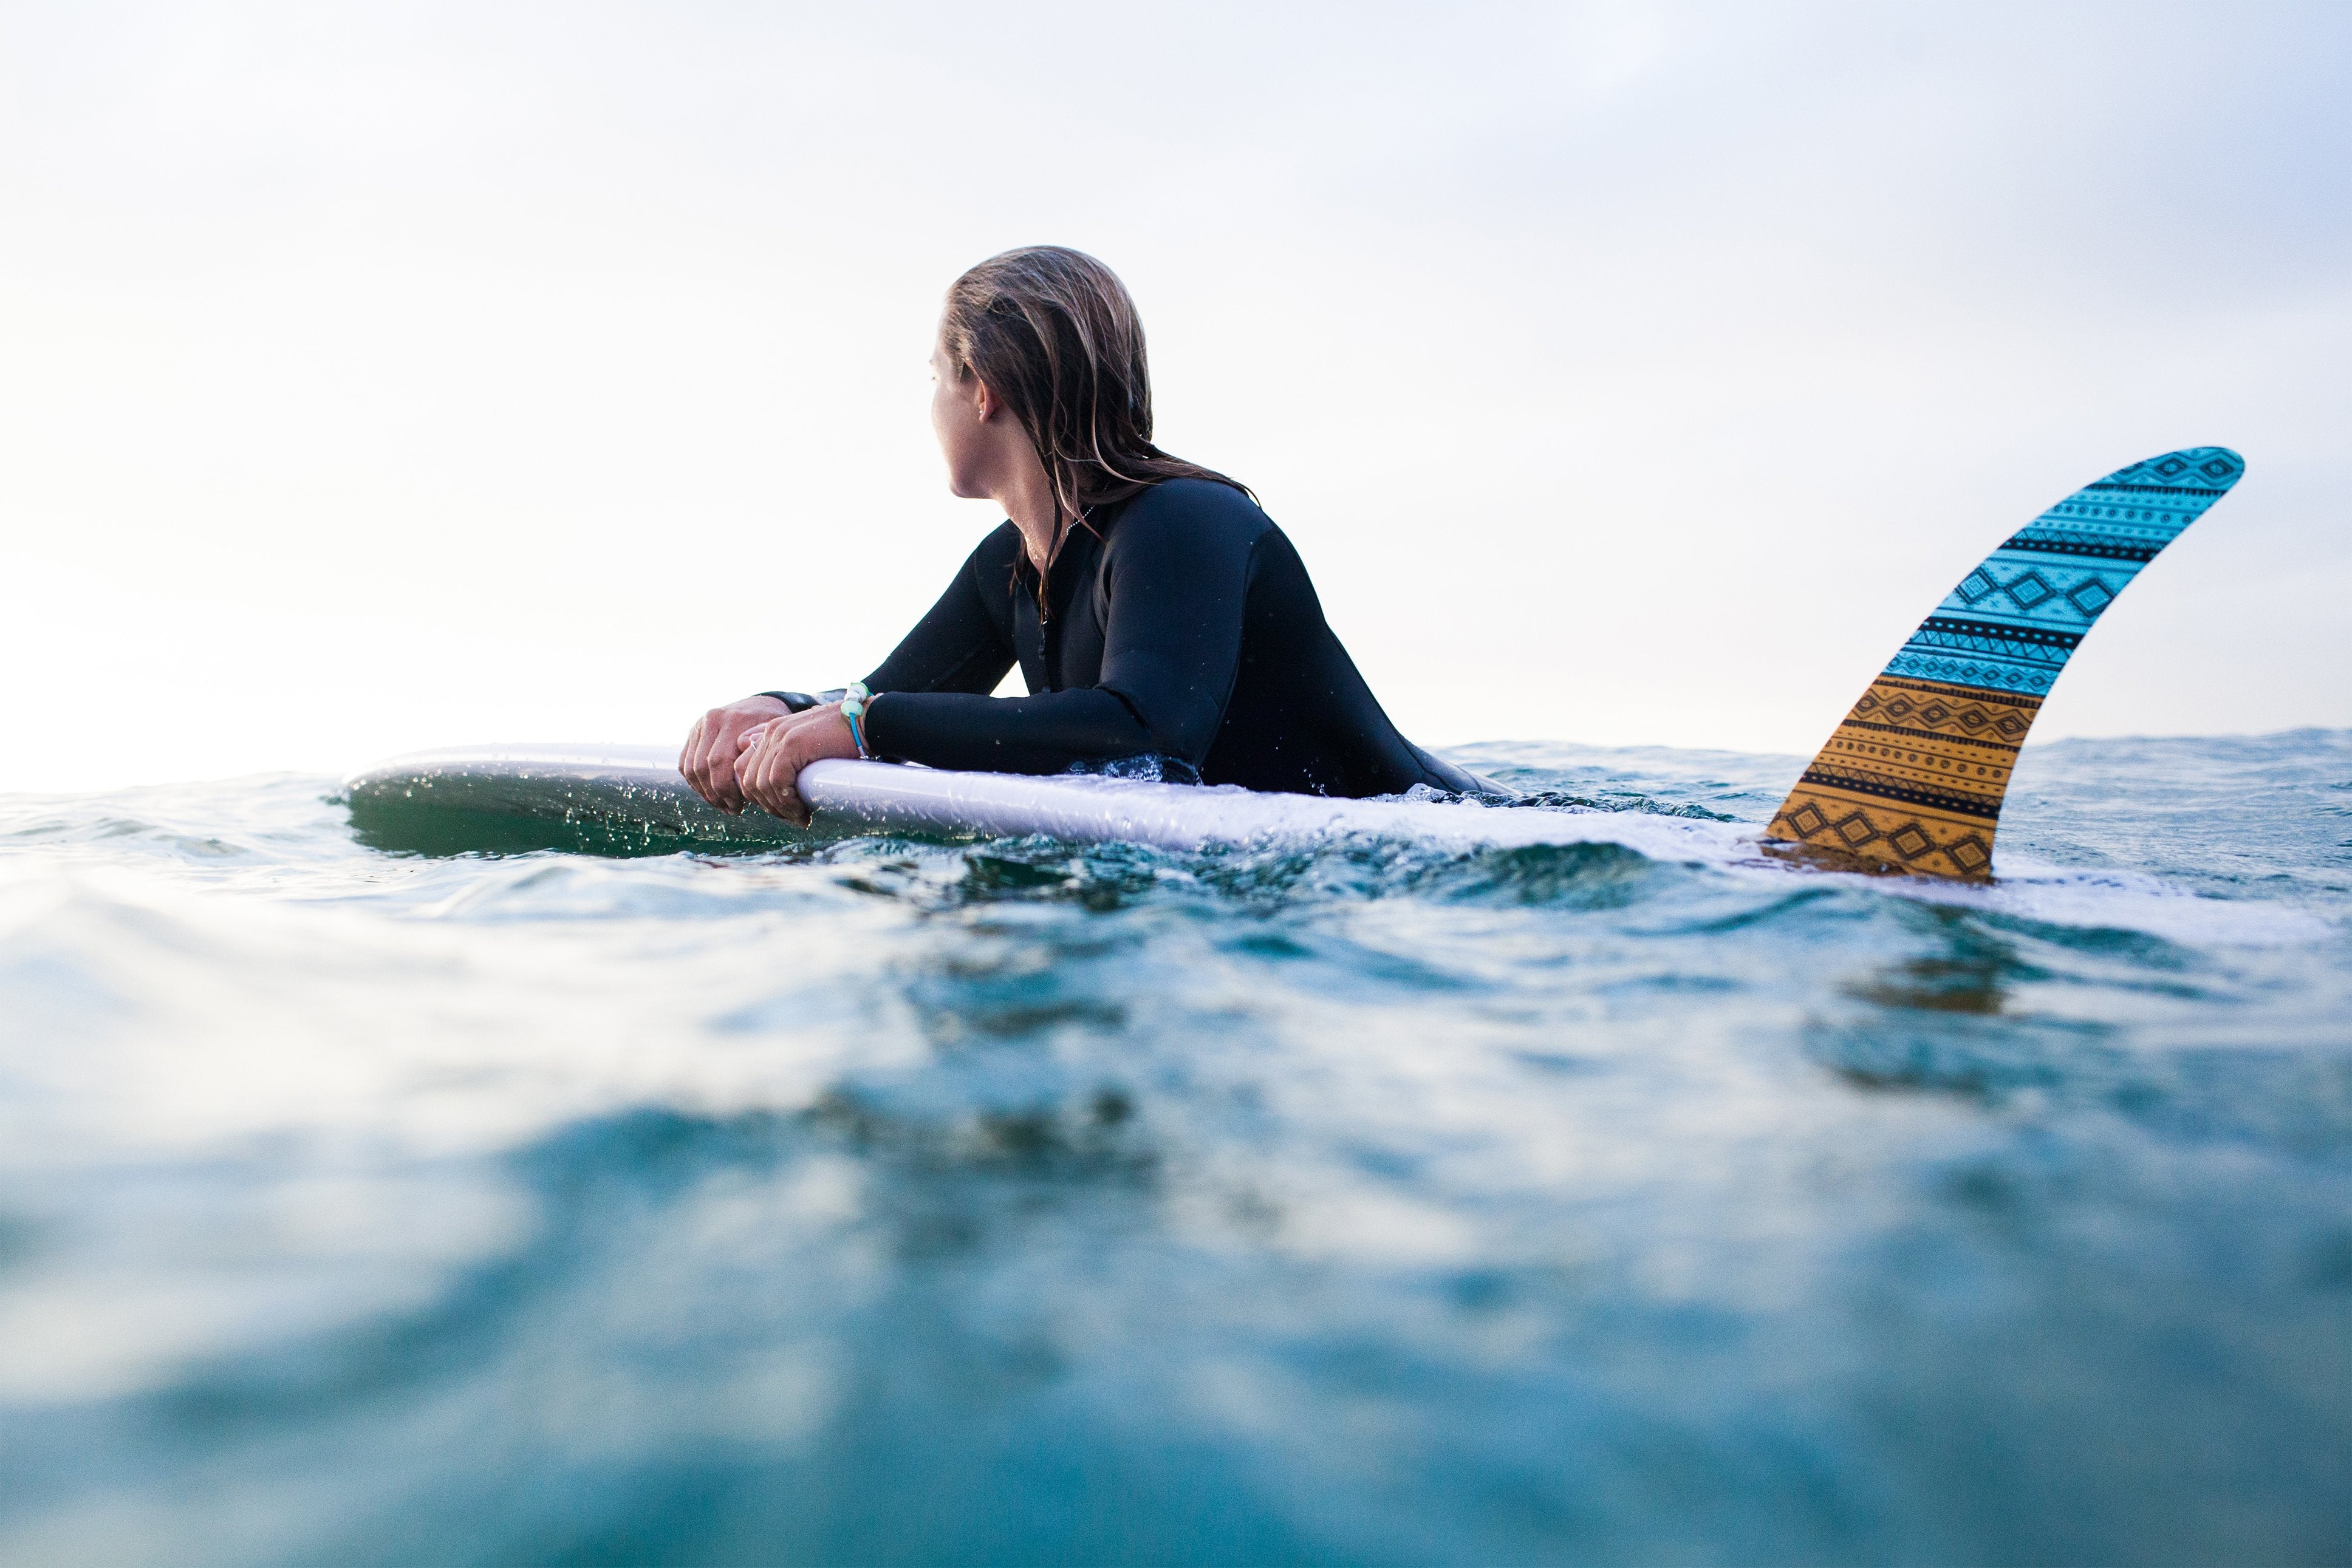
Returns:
<point x="801" y="702"/>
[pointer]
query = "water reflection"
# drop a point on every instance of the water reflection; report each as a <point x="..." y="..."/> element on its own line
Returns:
<point x="898" y="1201"/>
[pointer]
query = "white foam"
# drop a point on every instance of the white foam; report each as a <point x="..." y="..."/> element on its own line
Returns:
<point x="2116" y="900"/>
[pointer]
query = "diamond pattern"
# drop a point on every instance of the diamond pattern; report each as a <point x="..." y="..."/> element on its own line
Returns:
<point x="1923" y="758"/>
<point x="2029" y="589"/>
<point x="2090" y="596"/>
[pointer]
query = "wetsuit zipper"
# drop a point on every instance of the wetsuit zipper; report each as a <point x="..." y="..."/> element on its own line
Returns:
<point x="1041" y="594"/>
<point x="1046" y="633"/>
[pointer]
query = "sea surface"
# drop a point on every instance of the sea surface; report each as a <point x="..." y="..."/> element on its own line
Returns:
<point x="882" y="1201"/>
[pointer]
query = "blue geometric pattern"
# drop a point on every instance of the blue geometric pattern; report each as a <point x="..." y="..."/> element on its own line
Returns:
<point x="1914" y="776"/>
<point x="2012" y="623"/>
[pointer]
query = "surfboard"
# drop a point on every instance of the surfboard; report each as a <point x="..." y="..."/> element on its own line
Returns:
<point x="630" y="799"/>
<point x="1913" y="777"/>
<point x="1912" y="780"/>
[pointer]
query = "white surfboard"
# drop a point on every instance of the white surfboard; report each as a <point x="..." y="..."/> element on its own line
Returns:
<point x="636" y="791"/>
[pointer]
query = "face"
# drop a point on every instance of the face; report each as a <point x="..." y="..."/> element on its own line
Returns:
<point x="959" y="406"/>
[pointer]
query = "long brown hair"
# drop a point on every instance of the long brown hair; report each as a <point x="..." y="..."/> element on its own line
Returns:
<point x="1055" y="334"/>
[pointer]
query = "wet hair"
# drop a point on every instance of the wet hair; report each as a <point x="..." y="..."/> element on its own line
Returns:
<point x="1055" y="334"/>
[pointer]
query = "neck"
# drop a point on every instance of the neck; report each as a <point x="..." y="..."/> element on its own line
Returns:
<point x="1027" y="497"/>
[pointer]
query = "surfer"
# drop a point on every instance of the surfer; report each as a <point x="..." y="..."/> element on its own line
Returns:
<point x="1162" y="623"/>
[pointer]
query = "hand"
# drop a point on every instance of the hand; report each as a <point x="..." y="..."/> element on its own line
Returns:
<point x="769" y="766"/>
<point x="707" y="762"/>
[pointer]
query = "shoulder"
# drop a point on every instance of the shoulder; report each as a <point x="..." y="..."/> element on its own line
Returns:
<point x="1199" y="512"/>
<point x="994" y="555"/>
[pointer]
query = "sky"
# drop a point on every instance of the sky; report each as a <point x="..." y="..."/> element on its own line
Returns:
<point x="377" y="376"/>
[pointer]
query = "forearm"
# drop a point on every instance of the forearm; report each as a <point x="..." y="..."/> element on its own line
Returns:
<point x="1048" y="733"/>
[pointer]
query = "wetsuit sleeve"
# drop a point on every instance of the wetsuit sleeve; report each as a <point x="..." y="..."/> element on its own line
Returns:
<point x="1045" y="732"/>
<point x="1173" y="637"/>
<point x="960" y="645"/>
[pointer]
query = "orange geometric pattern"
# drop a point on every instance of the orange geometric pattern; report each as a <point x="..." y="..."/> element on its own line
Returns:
<point x="1913" y="780"/>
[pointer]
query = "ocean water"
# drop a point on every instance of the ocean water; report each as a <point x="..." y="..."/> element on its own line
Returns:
<point x="886" y="1201"/>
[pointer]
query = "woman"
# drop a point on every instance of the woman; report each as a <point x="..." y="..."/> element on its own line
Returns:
<point x="1158" y="617"/>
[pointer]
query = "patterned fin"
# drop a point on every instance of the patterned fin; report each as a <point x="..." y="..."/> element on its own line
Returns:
<point x="1913" y="780"/>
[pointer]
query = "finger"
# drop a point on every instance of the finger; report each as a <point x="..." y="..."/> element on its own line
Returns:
<point x="718" y="755"/>
<point x="706" y="732"/>
<point x="777" y="770"/>
<point x="791" y="758"/>
<point x="783" y="790"/>
<point x="752" y="776"/>
<point x="725" y="786"/>
<point x="697" y="745"/>
<point x="750" y="769"/>
<point x="724" y="764"/>
<point x="693" y="763"/>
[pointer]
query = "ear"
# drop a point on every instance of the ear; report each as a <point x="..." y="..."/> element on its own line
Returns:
<point x="984" y="400"/>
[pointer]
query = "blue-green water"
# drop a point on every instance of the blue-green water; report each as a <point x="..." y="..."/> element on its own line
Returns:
<point x="887" y="1202"/>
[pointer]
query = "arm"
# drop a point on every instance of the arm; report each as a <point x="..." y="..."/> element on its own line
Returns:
<point x="964" y="643"/>
<point x="1042" y="733"/>
<point x="1177" y="579"/>
<point x="959" y="646"/>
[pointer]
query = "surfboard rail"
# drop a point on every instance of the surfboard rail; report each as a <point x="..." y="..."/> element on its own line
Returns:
<point x="630" y="799"/>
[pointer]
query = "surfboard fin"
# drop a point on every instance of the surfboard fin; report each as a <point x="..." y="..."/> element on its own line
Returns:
<point x="1912" y="780"/>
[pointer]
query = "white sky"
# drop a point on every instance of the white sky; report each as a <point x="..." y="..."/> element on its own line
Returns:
<point x="382" y="376"/>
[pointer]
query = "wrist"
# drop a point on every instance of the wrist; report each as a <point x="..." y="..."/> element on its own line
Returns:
<point x="855" y="702"/>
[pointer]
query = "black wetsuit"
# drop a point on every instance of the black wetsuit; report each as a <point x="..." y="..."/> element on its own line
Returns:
<point x="1177" y="625"/>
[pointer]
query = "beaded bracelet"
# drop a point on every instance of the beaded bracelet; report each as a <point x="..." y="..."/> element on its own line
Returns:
<point x="853" y="708"/>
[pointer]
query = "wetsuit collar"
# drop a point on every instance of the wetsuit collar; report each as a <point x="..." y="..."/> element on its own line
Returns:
<point x="1082" y="538"/>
